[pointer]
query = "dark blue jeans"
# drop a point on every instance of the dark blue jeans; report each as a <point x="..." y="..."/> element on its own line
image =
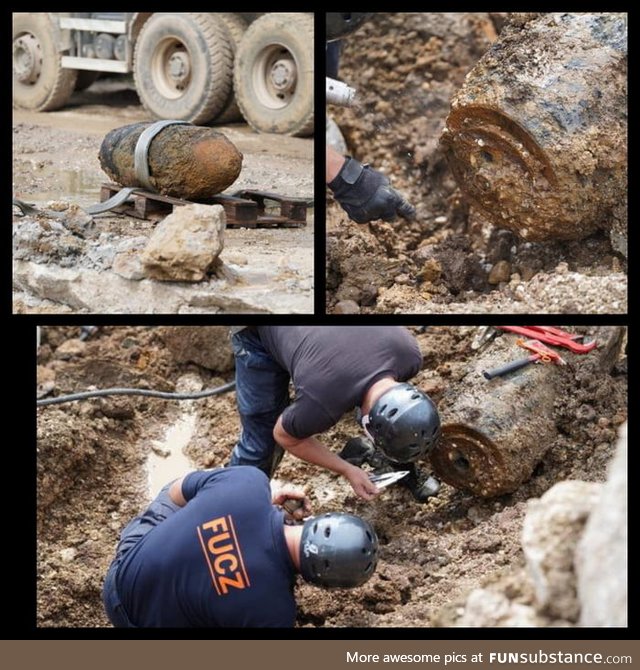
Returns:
<point x="159" y="509"/>
<point x="262" y="393"/>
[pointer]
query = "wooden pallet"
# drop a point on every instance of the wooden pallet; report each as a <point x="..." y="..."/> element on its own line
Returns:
<point x="244" y="209"/>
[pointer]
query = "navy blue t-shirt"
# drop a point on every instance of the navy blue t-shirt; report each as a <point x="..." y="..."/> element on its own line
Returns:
<point x="220" y="561"/>
<point x="333" y="367"/>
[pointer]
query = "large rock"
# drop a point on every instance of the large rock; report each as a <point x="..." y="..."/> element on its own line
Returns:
<point x="87" y="290"/>
<point x="601" y="556"/>
<point x="208" y="346"/>
<point x="491" y="609"/>
<point x="185" y="245"/>
<point x="550" y="533"/>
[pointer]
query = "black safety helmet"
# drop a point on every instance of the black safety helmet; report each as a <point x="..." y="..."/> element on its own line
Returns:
<point x="404" y="423"/>
<point x="341" y="24"/>
<point x="338" y="550"/>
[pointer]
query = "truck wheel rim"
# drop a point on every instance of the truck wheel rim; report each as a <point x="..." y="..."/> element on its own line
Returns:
<point x="171" y="68"/>
<point x="274" y="76"/>
<point x="27" y="59"/>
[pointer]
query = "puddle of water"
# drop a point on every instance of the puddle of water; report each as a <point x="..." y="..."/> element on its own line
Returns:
<point x="77" y="182"/>
<point x="167" y="460"/>
<point x="75" y="185"/>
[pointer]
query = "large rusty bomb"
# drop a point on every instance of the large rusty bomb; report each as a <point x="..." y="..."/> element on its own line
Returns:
<point x="537" y="135"/>
<point x="184" y="161"/>
<point x="495" y="432"/>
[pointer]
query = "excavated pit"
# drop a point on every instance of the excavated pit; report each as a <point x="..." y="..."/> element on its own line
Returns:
<point x="92" y="471"/>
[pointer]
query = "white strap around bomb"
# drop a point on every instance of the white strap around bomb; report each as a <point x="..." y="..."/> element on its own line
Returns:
<point x="141" y="154"/>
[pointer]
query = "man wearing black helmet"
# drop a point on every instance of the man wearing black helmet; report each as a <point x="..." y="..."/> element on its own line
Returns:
<point x="334" y="370"/>
<point x="364" y="193"/>
<point x="214" y="549"/>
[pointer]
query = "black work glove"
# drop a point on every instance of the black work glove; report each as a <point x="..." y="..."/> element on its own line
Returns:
<point x="365" y="194"/>
<point x="357" y="451"/>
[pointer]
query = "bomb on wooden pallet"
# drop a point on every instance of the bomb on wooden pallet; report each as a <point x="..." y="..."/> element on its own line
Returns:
<point x="184" y="161"/>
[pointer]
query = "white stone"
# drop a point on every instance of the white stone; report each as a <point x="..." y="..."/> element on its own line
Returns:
<point x="67" y="555"/>
<point x="601" y="557"/>
<point x="128" y="265"/>
<point x="185" y="245"/>
<point x="551" y="529"/>
<point x="490" y="609"/>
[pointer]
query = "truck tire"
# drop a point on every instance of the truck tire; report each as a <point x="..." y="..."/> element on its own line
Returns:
<point x="183" y="67"/>
<point x="273" y="74"/>
<point x="236" y="27"/>
<point x="40" y="83"/>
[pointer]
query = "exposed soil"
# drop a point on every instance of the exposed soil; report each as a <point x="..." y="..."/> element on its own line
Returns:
<point x="93" y="475"/>
<point x="406" y="69"/>
<point x="55" y="163"/>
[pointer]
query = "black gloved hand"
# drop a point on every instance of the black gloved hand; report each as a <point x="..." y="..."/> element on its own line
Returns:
<point x="365" y="194"/>
<point x="357" y="451"/>
<point x="360" y="450"/>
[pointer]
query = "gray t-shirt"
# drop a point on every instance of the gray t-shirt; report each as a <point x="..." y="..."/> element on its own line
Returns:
<point x="332" y="367"/>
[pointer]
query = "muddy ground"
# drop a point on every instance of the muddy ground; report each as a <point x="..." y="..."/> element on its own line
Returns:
<point x="55" y="159"/>
<point x="406" y="68"/>
<point x="98" y="466"/>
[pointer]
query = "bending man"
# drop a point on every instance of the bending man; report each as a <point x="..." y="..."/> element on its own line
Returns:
<point x="334" y="369"/>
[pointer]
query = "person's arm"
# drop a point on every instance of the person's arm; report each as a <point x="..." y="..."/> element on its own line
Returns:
<point x="365" y="194"/>
<point x="175" y="493"/>
<point x="335" y="161"/>
<point x="313" y="451"/>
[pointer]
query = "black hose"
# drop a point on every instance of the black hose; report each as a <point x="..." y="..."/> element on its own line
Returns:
<point x="225" y="388"/>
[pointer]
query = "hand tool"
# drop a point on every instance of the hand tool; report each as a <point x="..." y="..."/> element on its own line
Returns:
<point x="292" y="504"/>
<point x="339" y="93"/>
<point x="541" y="354"/>
<point x="388" y="478"/>
<point x="555" y="336"/>
<point x="483" y="335"/>
<point x="380" y="480"/>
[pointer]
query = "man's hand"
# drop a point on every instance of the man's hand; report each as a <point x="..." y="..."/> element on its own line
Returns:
<point x="303" y="507"/>
<point x="365" y="194"/>
<point x="362" y="486"/>
<point x="175" y="492"/>
<point x="313" y="451"/>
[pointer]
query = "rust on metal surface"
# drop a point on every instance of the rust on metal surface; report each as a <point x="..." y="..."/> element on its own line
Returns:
<point x="536" y="136"/>
<point x="495" y="432"/>
<point x="247" y="211"/>
<point x="184" y="161"/>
